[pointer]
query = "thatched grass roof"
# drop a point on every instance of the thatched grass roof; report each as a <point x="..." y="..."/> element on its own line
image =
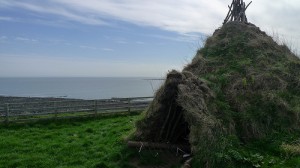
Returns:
<point x="239" y="87"/>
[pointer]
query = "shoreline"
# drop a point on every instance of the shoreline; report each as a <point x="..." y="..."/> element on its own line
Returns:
<point x="22" y="99"/>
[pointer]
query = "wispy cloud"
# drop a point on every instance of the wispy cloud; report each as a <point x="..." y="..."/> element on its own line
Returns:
<point x="55" y="9"/>
<point x="4" y="18"/>
<point x="181" y="16"/>
<point x="279" y="15"/>
<point x="24" y="39"/>
<point x="122" y="42"/>
<point x="107" y="49"/>
<point x="87" y="47"/>
<point x="95" y="48"/>
<point x="3" y="39"/>
<point x="140" y="42"/>
<point x="187" y="37"/>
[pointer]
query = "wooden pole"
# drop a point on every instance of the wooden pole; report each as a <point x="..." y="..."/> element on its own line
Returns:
<point x="237" y="11"/>
<point x="248" y="5"/>
<point x="162" y="131"/>
<point x="7" y="113"/>
<point x="96" y="107"/>
<point x="229" y="12"/>
<point x="175" y="126"/>
<point x="55" y="110"/>
<point x="129" y="104"/>
<point x="152" y="145"/>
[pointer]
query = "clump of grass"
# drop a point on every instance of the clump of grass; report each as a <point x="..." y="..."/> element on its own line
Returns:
<point x="291" y="149"/>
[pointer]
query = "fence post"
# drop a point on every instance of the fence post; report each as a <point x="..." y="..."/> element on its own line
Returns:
<point x="129" y="104"/>
<point x="55" y="110"/>
<point x="96" y="107"/>
<point x="7" y="112"/>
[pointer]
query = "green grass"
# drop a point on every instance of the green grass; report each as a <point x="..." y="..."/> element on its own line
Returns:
<point x="78" y="142"/>
<point x="99" y="143"/>
<point x="278" y="151"/>
<point x="66" y="143"/>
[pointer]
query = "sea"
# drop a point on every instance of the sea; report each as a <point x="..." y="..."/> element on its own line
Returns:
<point x="80" y="87"/>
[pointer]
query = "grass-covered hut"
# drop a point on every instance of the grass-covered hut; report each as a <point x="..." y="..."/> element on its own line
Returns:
<point x="240" y="87"/>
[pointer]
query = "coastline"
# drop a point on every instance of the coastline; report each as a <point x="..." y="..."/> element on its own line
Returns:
<point x="77" y="88"/>
<point x="21" y="99"/>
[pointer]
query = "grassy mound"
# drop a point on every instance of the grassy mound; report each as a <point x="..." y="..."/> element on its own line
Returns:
<point x="240" y="87"/>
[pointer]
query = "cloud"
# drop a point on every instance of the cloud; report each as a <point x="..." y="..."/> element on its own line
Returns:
<point x="87" y="47"/>
<point x="4" y="18"/>
<point x="107" y="49"/>
<point x="55" y="9"/>
<point x="279" y="18"/>
<point x="140" y="42"/>
<point x="26" y="39"/>
<point x="281" y="15"/>
<point x="122" y="42"/>
<point x="3" y="39"/>
<point x="95" y="48"/>
<point x="186" y="37"/>
<point x="181" y="16"/>
<point x="184" y="16"/>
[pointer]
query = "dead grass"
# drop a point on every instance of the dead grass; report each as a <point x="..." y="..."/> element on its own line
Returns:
<point x="291" y="149"/>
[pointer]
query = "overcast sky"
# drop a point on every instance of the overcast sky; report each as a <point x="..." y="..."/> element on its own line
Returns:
<point x="121" y="37"/>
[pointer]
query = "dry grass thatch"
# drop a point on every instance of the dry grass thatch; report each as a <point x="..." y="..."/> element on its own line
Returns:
<point x="240" y="86"/>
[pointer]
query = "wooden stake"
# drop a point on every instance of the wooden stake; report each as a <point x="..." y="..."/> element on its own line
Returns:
<point x="237" y="12"/>
<point x="152" y="145"/>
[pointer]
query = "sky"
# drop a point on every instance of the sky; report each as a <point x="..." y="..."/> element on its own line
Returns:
<point x="122" y="38"/>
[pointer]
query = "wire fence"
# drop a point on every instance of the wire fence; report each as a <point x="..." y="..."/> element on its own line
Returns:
<point x="69" y="108"/>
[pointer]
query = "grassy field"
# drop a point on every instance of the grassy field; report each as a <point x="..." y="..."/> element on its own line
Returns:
<point x="64" y="143"/>
<point x="99" y="143"/>
<point x="92" y="143"/>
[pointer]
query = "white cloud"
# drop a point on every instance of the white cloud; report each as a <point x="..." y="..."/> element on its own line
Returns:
<point x="4" y="18"/>
<point x="186" y="37"/>
<point x="279" y="17"/>
<point x="26" y="39"/>
<point x="87" y="47"/>
<point x="140" y="42"/>
<point x="122" y="42"/>
<point x="3" y="38"/>
<point x="54" y="9"/>
<point x="182" y="16"/>
<point x="107" y="49"/>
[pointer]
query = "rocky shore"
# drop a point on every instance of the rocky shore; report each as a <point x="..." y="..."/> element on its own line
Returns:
<point x="14" y="99"/>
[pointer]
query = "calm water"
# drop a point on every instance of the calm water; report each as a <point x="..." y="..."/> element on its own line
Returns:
<point x="82" y="88"/>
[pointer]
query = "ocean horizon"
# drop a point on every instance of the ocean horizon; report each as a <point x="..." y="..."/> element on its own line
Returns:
<point x="79" y="87"/>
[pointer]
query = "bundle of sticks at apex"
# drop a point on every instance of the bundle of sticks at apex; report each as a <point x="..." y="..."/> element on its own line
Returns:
<point x="237" y="12"/>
